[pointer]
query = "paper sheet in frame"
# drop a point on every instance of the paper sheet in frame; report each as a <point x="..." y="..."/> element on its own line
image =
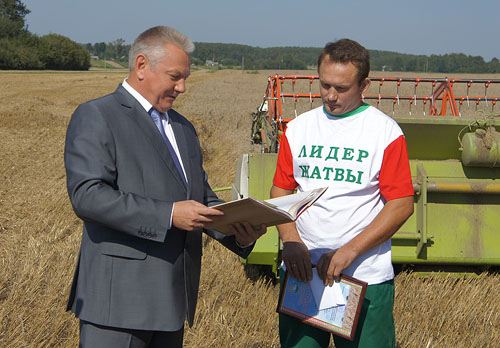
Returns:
<point x="326" y="296"/>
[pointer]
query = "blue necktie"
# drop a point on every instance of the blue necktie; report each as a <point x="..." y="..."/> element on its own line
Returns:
<point x="157" y="117"/>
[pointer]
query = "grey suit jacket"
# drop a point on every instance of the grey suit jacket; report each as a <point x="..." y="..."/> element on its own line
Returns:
<point x="132" y="272"/>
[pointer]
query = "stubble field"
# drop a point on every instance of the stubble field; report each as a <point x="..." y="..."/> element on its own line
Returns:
<point x="40" y="235"/>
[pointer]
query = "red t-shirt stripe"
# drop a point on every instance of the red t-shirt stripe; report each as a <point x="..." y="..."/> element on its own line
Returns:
<point x="395" y="177"/>
<point x="283" y="177"/>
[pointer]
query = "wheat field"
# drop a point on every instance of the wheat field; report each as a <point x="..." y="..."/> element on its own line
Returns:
<point x="40" y="235"/>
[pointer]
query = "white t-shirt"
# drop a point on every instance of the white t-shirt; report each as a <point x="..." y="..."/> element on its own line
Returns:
<point x="361" y="156"/>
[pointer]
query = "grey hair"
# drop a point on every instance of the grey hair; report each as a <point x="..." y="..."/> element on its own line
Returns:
<point x="152" y="43"/>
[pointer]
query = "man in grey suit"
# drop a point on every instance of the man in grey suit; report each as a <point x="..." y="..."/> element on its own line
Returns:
<point x="135" y="178"/>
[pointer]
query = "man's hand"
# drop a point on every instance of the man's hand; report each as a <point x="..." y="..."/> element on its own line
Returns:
<point x="333" y="262"/>
<point x="386" y="223"/>
<point x="295" y="253"/>
<point x="297" y="260"/>
<point x="245" y="233"/>
<point x="192" y="215"/>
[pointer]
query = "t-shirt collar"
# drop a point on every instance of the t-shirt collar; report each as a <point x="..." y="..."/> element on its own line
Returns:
<point x="362" y="108"/>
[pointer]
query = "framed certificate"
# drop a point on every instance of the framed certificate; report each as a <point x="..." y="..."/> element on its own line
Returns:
<point x="297" y="300"/>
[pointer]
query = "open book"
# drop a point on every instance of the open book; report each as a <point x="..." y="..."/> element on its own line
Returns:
<point x="270" y="212"/>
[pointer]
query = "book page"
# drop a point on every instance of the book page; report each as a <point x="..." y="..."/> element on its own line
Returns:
<point x="293" y="203"/>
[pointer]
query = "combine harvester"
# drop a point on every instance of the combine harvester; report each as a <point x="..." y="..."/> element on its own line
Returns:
<point x="454" y="150"/>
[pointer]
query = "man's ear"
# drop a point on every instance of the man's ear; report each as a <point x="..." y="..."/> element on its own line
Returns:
<point x="141" y="65"/>
<point x="365" y="85"/>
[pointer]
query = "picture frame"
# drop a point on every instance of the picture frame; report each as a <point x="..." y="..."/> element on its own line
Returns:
<point x="296" y="299"/>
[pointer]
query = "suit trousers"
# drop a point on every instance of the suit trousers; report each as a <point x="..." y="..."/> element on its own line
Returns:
<point x="98" y="336"/>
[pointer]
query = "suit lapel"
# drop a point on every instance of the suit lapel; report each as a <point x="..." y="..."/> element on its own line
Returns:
<point x="182" y="145"/>
<point x="146" y="125"/>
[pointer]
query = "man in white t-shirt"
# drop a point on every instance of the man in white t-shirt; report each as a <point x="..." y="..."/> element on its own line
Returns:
<point x="360" y="154"/>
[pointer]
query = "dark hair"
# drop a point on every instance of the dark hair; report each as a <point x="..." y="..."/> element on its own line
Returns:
<point x="347" y="51"/>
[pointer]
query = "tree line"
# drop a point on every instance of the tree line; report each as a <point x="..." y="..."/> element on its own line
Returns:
<point x="115" y="50"/>
<point x="447" y="63"/>
<point x="306" y="58"/>
<point x="299" y="58"/>
<point x="20" y="49"/>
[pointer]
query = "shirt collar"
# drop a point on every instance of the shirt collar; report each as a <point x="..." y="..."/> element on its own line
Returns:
<point x="362" y="108"/>
<point x="143" y="101"/>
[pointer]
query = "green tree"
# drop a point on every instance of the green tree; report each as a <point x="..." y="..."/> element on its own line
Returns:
<point x="411" y="64"/>
<point x="494" y="66"/>
<point x="99" y="49"/>
<point x="121" y="50"/>
<point x="398" y="64"/>
<point x="116" y="50"/>
<point x="477" y="64"/>
<point x="12" y="13"/>
<point x="230" y="62"/>
<point x="60" y="53"/>
<point x="20" y="52"/>
<point x="89" y="47"/>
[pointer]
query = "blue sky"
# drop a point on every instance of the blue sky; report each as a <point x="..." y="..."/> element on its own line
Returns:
<point x="416" y="27"/>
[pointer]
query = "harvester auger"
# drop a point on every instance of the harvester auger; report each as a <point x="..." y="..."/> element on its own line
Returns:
<point x="452" y="131"/>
